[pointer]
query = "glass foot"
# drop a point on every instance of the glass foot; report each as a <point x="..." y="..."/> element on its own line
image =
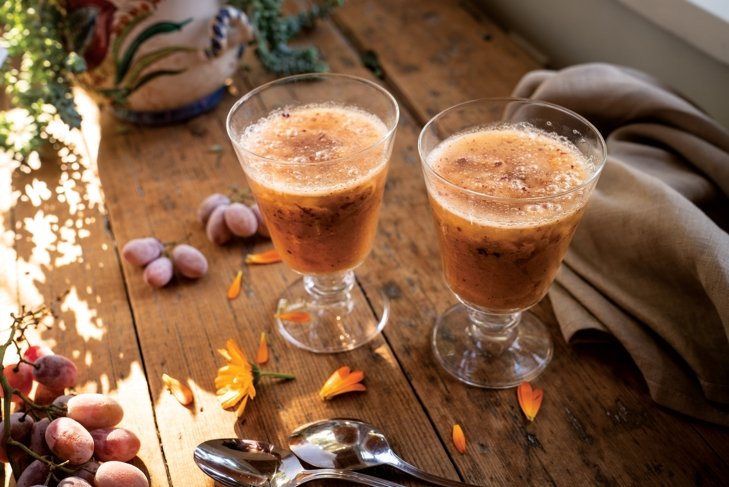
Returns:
<point x="335" y="319"/>
<point x="461" y="348"/>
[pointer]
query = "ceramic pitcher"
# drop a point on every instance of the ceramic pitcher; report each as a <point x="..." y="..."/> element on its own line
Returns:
<point x="157" y="61"/>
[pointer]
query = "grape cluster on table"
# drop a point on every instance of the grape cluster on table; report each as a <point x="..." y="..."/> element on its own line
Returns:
<point x="79" y="431"/>
<point x="148" y="252"/>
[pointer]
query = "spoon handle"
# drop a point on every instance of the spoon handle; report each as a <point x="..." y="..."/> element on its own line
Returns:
<point x="409" y="469"/>
<point x="339" y="474"/>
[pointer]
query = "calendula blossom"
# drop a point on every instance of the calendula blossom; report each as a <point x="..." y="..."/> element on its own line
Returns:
<point x="236" y="381"/>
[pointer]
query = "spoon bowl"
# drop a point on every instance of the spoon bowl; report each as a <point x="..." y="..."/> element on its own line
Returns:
<point x="237" y="462"/>
<point x="352" y="444"/>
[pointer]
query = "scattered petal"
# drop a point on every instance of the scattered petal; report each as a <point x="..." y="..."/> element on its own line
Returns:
<point x="267" y="257"/>
<point x="234" y="289"/>
<point x="341" y="381"/>
<point x="459" y="439"/>
<point x="529" y="399"/>
<point x="181" y="391"/>
<point x="262" y="353"/>
<point x="301" y="317"/>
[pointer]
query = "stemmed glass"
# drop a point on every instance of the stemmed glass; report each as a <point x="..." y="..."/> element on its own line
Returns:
<point x="315" y="150"/>
<point x="508" y="180"/>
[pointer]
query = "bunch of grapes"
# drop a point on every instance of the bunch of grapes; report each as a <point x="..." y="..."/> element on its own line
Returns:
<point x="148" y="252"/>
<point x="60" y="439"/>
<point x="224" y="219"/>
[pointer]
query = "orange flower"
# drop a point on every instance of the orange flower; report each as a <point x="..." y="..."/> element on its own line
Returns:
<point x="301" y="317"/>
<point x="529" y="399"/>
<point x="181" y="391"/>
<point x="341" y="381"/>
<point x="262" y="353"/>
<point x="236" y="381"/>
<point x="267" y="257"/>
<point x="459" y="439"/>
<point x="234" y="289"/>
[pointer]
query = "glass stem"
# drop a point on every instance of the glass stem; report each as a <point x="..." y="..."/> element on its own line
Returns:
<point x="492" y="333"/>
<point x="331" y="289"/>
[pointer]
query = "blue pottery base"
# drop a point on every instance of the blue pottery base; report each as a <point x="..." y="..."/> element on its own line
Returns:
<point x="173" y="115"/>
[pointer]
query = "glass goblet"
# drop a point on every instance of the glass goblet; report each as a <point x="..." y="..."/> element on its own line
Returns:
<point x="315" y="151"/>
<point x="508" y="181"/>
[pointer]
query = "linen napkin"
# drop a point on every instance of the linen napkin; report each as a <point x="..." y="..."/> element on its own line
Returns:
<point x="649" y="263"/>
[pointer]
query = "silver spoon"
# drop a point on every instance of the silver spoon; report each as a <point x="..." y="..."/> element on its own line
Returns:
<point x="353" y="444"/>
<point x="247" y="463"/>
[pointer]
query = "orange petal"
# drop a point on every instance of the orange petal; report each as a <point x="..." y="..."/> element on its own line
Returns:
<point x="267" y="257"/>
<point x="459" y="439"/>
<point x="182" y="393"/>
<point x="262" y="353"/>
<point x="530" y="400"/>
<point x="300" y="317"/>
<point x="342" y="381"/>
<point x="234" y="289"/>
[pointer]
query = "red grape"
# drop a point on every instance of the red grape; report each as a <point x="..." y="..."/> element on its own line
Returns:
<point x="74" y="482"/>
<point x="209" y="204"/>
<point x="142" y="251"/>
<point x="216" y="229"/>
<point x="55" y="371"/>
<point x="35" y="474"/>
<point x="189" y="261"/>
<point x="69" y="440"/>
<point x="115" y="444"/>
<point x="44" y="395"/>
<point x="38" y="436"/>
<point x="20" y="377"/>
<point x="159" y="272"/>
<point x="115" y="474"/>
<point x="240" y="219"/>
<point x="20" y="427"/>
<point x="94" y="411"/>
<point x="35" y="352"/>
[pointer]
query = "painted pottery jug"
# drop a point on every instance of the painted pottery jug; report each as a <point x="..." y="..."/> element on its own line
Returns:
<point x="157" y="61"/>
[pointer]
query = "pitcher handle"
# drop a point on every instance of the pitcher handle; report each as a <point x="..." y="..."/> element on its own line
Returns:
<point x="229" y="26"/>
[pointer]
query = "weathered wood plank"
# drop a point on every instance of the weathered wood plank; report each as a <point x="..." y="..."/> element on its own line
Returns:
<point x="66" y="256"/>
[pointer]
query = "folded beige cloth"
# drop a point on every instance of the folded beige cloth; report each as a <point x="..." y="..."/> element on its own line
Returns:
<point x="650" y="261"/>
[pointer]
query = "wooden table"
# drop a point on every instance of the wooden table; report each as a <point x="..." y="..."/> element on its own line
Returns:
<point x="63" y="227"/>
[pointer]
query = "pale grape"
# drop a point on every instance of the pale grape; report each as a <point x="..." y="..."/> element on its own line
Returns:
<point x="69" y="440"/>
<point x="115" y="444"/>
<point x="74" y="482"/>
<point x="55" y="371"/>
<point x="142" y="251"/>
<point x="159" y="272"/>
<point x="116" y="474"/>
<point x="94" y="411"/>
<point x="189" y="261"/>
<point x="240" y="219"/>
<point x="209" y="204"/>
<point x="216" y="229"/>
<point x="35" y="474"/>
<point x="262" y="228"/>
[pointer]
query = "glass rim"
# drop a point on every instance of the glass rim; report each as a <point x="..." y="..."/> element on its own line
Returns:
<point x="287" y="79"/>
<point x="511" y="199"/>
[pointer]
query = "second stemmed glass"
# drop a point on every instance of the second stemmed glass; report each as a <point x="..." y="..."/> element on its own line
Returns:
<point x="508" y="181"/>
<point x="315" y="150"/>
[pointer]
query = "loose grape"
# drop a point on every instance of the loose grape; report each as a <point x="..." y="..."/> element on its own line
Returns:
<point x="35" y="474"/>
<point x="115" y="444"/>
<point x="216" y="229"/>
<point x="94" y="411"/>
<point x="20" y="377"/>
<point x="240" y="219"/>
<point x="189" y="261"/>
<point x="159" y="272"/>
<point x="142" y="251"/>
<point x="262" y="228"/>
<point x="74" y="482"/>
<point x="209" y="204"/>
<point x="55" y="371"/>
<point x="38" y="436"/>
<point x="115" y="474"/>
<point x="35" y="352"/>
<point x="69" y="440"/>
